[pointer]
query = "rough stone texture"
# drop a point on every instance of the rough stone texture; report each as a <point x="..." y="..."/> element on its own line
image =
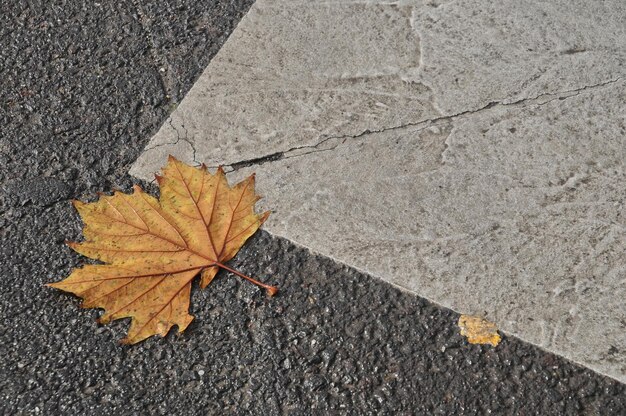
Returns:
<point x="476" y="51"/>
<point x="79" y="79"/>
<point x="496" y="182"/>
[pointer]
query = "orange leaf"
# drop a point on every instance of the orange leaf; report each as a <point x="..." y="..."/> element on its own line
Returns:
<point x="153" y="249"/>
<point x="479" y="331"/>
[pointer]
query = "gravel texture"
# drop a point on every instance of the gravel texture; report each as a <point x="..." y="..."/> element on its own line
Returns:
<point x="81" y="92"/>
<point x="83" y="86"/>
<point x="333" y="339"/>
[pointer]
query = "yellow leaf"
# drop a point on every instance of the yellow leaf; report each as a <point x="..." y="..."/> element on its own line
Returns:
<point x="153" y="249"/>
<point x="479" y="331"/>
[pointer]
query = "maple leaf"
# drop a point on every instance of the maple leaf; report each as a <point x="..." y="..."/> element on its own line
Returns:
<point x="153" y="249"/>
<point x="478" y="330"/>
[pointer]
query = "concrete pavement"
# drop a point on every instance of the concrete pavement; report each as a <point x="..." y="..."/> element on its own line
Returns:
<point x="470" y="152"/>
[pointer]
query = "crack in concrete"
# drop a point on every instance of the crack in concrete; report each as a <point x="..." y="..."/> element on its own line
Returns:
<point x="175" y="142"/>
<point x="178" y="139"/>
<point x="255" y="161"/>
<point x="272" y="157"/>
<point x="186" y="139"/>
<point x="562" y="95"/>
<point x="421" y="125"/>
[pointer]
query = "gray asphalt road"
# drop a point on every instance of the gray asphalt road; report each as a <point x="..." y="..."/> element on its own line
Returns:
<point x="82" y="88"/>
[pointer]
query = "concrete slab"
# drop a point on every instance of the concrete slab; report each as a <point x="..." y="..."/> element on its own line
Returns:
<point x="293" y="73"/>
<point x="515" y="213"/>
<point x="472" y="153"/>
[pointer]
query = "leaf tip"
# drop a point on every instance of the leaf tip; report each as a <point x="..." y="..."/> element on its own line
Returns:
<point x="137" y="188"/>
<point x="183" y="326"/>
<point x="126" y="341"/>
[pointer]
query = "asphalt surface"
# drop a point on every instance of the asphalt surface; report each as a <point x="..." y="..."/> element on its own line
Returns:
<point x="82" y="88"/>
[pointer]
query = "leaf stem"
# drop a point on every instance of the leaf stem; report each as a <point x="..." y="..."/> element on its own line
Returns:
<point x="271" y="290"/>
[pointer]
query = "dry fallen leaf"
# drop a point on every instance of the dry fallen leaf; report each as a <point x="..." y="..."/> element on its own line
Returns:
<point x="479" y="331"/>
<point x="153" y="249"/>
